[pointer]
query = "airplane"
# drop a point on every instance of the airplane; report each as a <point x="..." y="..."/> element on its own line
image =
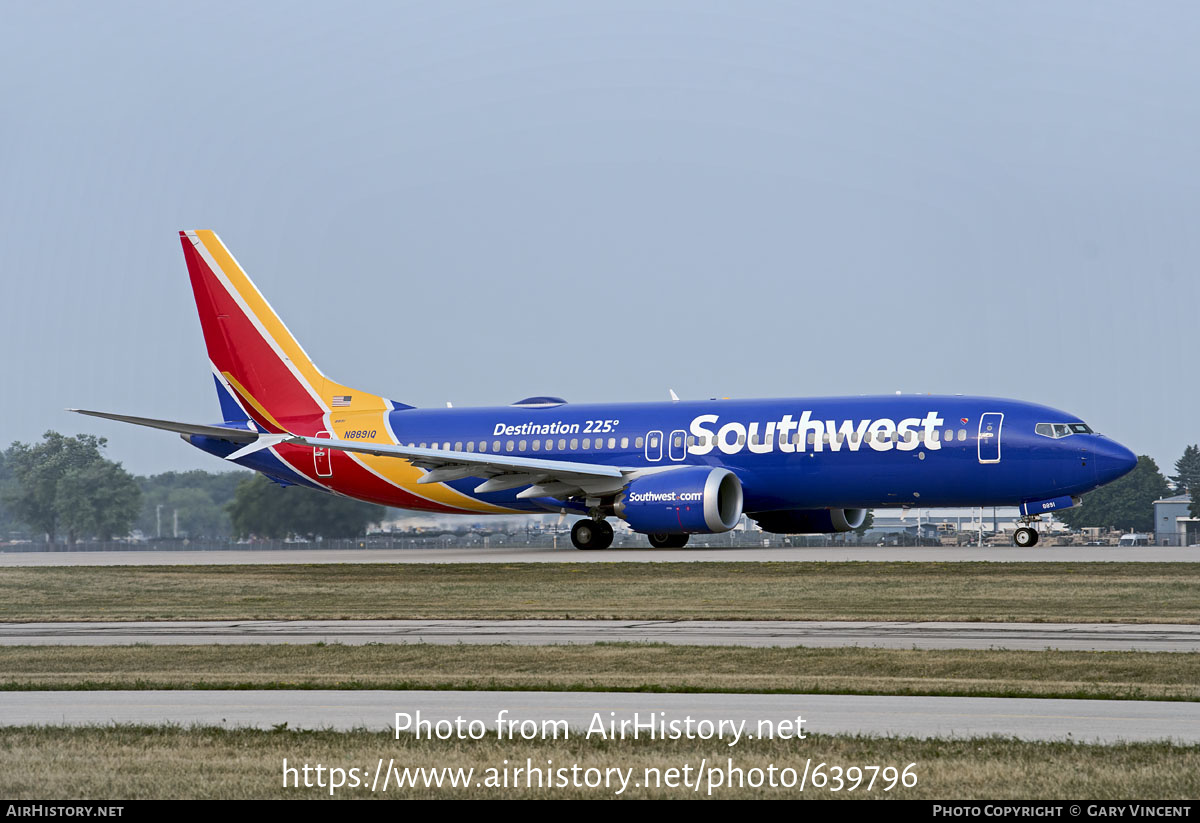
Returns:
<point x="669" y="469"/>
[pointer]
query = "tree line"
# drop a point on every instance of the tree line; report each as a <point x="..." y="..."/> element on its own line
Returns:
<point x="64" y="489"/>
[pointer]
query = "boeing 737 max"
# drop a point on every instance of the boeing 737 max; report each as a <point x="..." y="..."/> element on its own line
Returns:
<point x="670" y="469"/>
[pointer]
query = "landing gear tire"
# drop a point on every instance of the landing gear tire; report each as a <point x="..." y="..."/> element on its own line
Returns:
<point x="661" y="540"/>
<point x="590" y="535"/>
<point x="1025" y="537"/>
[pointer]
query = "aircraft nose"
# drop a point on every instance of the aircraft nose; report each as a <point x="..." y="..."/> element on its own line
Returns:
<point x="1112" y="460"/>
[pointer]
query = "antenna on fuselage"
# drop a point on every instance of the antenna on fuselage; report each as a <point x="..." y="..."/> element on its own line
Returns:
<point x="674" y="396"/>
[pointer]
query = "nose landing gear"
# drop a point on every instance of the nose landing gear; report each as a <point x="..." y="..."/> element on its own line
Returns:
<point x="1026" y="536"/>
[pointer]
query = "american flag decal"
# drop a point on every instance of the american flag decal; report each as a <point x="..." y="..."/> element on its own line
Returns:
<point x="341" y="400"/>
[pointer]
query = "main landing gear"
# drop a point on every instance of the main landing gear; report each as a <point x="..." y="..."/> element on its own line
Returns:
<point x="592" y="534"/>
<point x="662" y="540"/>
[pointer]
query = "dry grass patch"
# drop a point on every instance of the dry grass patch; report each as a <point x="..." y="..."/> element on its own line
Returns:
<point x="609" y="667"/>
<point x="1053" y="592"/>
<point x="125" y="763"/>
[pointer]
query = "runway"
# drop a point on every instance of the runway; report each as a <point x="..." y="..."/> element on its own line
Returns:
<point x="1104" y="721"/>
<point x="1076" y="554"/>
<point x="755" y="633"/>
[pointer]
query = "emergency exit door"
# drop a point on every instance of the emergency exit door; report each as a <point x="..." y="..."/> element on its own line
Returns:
<point x="321" y="459"/>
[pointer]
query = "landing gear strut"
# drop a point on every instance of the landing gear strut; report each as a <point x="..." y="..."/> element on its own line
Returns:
<point x="662" y="540"/>
<point x="589" y="534"/>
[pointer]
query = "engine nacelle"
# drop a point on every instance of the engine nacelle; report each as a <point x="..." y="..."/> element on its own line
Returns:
<point x="810" y="521"/>
<point x="692" y="500"/>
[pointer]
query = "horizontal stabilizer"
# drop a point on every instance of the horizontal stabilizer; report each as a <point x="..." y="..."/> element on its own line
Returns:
<point x="219" y="432"/>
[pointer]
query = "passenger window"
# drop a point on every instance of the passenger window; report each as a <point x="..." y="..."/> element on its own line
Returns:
<point x="741" y="439"/>
<point x="867" y="437"/>
<point x="562" y="444"/>
<point x="948" y="435"/>
<point x="962" y="435"/>
<point x="496" y="445"/>
<point x="537" y="445"/>
<point x="574" y="443"/>
<point x="422" y="445"/>
<point x="624" y="443"/>
<point x="691" y="441"/>
<point x="754" y="440"/>
<point x="458" y="446"/>
<point x="508" y="446"/>
<point x="470" y="445"/>
<point x="612" y="442"/>
<point x="641" y="441"/>
<point x="812" y="438"/>
<point x="483" y="445"/>
<point x="587" y="442"/>
<point x="521" y="446"/>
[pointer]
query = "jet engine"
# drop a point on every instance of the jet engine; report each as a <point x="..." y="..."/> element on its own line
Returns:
<point x="810" y="521"/>
<point x="691" y="500"/>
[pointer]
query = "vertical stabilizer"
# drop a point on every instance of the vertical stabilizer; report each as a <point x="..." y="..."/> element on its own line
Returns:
<point x="257" y="362"/>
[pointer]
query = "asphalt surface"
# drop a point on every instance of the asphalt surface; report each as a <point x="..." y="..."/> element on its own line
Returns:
<point x="569" y="555"/>
<point x="1029" y="719"/>
<point x="759" y="633"/>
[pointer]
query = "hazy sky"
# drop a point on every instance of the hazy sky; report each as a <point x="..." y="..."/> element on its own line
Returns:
<point x="478" y="202"/>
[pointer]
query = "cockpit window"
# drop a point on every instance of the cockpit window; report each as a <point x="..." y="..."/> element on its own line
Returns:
<point x="1057" y="430"/>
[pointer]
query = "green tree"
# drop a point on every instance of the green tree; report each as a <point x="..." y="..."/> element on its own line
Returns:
<point x="263" y="508"/>
<point x="200" y="498"/>
<point x="1187" y="477"/>
<point x="65" y="484"/>
<point x="867" y="524"/>
<point x="1123" y="504"/>
<point x="8" y="523"/>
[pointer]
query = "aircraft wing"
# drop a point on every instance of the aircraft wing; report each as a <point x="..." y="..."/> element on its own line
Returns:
<point x="499" y="472"/>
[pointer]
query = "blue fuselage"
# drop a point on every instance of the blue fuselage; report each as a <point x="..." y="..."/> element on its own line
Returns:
<point x="797" y="453"/>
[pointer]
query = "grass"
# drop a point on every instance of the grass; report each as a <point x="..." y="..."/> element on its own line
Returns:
<point x="609" y="667"/>
<point x="1051" y="592"/>
<point x="128" y="763"/>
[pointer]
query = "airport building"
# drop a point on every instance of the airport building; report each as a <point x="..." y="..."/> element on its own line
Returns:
<point x="1173" y="522"/>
